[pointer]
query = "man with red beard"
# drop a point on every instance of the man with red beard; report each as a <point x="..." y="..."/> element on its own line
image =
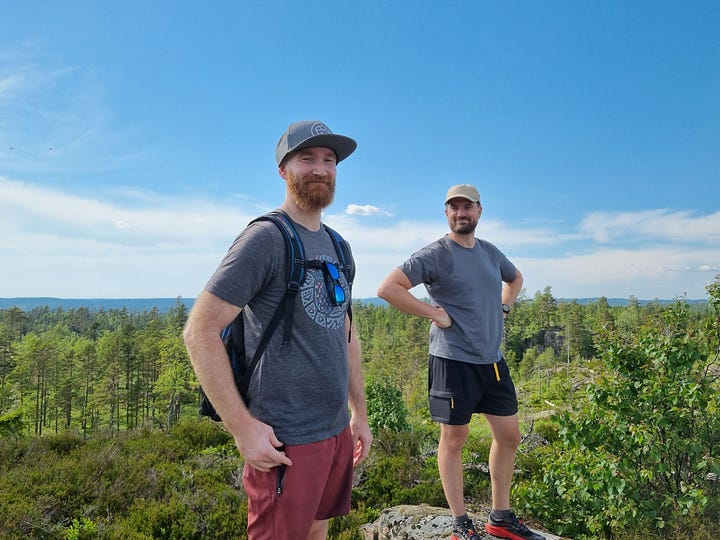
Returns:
<point x="297" y="438"/>
<point x="467" y="373"/>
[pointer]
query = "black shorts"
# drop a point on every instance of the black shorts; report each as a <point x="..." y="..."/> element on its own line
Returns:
<point x="459" y="389"/>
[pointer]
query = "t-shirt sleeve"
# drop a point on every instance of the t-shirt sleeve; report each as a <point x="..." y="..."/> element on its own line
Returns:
<point x="419" y="267"/>
<point x="507" y="269"/>
<point x="249" y="265"/>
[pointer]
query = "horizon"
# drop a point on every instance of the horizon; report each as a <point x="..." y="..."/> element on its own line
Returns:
<point x="133" y="151"/>
<point x="522" y="296"/>
<point x="164" y="305"/>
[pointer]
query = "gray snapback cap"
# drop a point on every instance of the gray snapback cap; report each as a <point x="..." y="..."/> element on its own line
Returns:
<point x="309" y="133"/>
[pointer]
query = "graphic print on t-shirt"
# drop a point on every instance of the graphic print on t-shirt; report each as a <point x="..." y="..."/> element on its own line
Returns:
<point x="317" y="303"/>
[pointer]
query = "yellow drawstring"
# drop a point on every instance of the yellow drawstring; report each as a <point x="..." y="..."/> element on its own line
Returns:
<point x="497" y="372"/>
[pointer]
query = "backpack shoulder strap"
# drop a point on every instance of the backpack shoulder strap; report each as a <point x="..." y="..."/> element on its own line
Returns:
<point x="233" y="334"/>
<point x="295" y="265"/>
<point x="343" y="252"/>
<point x="294" y="247"/>
<point x="348" y="268"/>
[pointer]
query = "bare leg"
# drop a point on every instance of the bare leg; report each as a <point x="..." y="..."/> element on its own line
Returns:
<point x="452" y="440"/>
<point x="319" y="530"/>
<point x="506" y="439"/>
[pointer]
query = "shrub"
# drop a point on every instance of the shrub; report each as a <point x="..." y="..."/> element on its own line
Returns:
<point x="401" y="470"/>
<point x="386" y="408"/>
<point x="63" y="443"/>
<point x="637" y="454"/>
<point x="547" y="429"/>
<point x="11" y="423"/>
<point x="81" y="529"/>
<point x="200" y="433"/>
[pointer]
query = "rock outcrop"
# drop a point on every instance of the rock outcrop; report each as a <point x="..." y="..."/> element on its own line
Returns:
<point x="423" y="522"/>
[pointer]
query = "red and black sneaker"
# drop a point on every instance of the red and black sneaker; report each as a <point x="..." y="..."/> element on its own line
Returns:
<point x="466" y="531"/>
<point x="512" y="528"/>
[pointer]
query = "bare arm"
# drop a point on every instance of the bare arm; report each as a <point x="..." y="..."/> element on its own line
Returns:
<point x="512" y="289"/>
<point x="362" y="436"/>
<point x="255" y="440"/>
<point x="395" y="289"/>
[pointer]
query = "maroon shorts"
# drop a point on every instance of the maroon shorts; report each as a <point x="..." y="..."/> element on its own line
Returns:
<point x="317" y="486"/>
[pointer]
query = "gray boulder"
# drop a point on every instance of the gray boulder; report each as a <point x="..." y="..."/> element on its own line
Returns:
<point x="422" y="522"/>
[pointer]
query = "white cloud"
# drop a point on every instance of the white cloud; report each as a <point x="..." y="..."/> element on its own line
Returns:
<point x="664" y="225"/>
<point x="366" y="210"/>
<point x="55" y="243"/>
<point x="60" y="244"/>
<point x="9" y="85"/>
<point x="648" y="273"/>
<point x="28" y="207"/>
<point x="643" y="271"/>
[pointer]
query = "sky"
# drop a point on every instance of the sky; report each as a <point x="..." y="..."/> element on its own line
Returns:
<point x="138" y="138"/>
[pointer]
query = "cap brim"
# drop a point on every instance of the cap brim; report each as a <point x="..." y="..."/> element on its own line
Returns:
<point x="471" y="199"/>
<point x="340" y="144"/>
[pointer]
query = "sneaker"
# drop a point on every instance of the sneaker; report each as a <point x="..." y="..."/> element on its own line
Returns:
<point x="512" y="528"/>
<point x="466" y="531"/>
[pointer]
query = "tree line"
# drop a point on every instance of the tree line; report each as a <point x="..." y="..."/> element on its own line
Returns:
<point x="113" y="370"/>
<point x="620" y="408"/>
<point x="93" y="371"/>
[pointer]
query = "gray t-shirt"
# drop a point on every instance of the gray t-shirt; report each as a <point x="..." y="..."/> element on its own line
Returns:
<point x="302" y="394"/>
<point x="467" y="283"/>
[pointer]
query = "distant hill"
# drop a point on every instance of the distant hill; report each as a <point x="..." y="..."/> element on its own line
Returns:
<point x="611" y="301"/>
<point x="164" y="304"/>
<point x="625" y="301"/>
<point x="131" y="304"/>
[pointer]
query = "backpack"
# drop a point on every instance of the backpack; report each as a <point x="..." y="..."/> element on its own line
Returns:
<point x="233" y="335"/>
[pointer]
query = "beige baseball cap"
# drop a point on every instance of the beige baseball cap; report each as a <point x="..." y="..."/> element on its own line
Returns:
<point x="465" y="191"/>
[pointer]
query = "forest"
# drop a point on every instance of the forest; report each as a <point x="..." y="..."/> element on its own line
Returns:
<point x="100" y="435"/>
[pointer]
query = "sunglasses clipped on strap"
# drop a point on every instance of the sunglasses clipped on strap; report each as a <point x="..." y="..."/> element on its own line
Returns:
<point x="332" y="282"/>
<point x="331" y="275"/>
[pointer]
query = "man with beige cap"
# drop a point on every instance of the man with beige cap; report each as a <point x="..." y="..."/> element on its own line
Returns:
<point x="467" y="374"/>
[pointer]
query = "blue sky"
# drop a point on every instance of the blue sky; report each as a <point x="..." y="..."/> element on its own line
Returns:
<point x="137" y="138"/>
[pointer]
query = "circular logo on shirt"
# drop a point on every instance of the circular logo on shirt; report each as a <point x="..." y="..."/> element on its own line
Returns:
<point x="316" y="299"/>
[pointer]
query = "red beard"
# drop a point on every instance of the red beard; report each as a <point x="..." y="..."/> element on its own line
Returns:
<point x="311" y="193"/>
